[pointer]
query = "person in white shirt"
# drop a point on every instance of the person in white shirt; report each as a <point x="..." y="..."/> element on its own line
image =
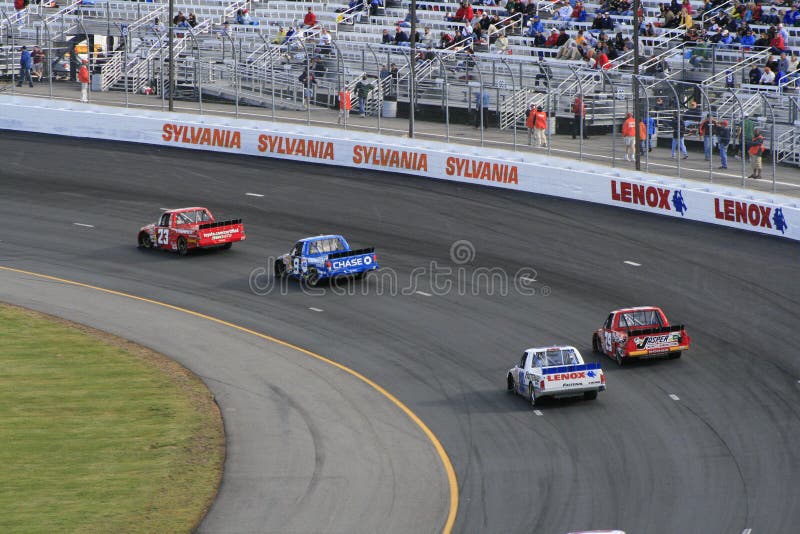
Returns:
<point x="768" y="78"/>
<point x="563" y="13"/>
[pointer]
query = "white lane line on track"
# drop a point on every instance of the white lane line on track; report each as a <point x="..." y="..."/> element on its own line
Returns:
<point x="674" y="397"/>
<point x="632" y="263"/>
<point x="84" y="225"/>
<point x="423" y="293"/>
<point x="315" y="310"/>
<point x="747" y="531"/>
<point x="538" y="412"/>
<point x="253" y="195"/>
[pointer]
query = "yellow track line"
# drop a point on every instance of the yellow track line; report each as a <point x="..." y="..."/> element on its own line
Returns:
<point x="448" y="467"/>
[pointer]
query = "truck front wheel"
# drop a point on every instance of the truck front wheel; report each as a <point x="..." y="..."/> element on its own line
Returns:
<point x="510" y="384"/>
<point x="280" y="268"/>
<point x="183" y="248"/>
<point x="312" y="278"/>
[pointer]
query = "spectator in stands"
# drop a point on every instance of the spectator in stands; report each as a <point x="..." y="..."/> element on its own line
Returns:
<point x="678" y="136"/>
<point x="670" y="20"/>
<point x="363" y="89"/>
<point x="649" y="30"/>
<point x="791" y="17"/>
<point x="552" y="41"/>
<point x="310" y="20"/>
<point x="309" y="81"/>
<point x="445" y="39"/>
<point x="685" y="19"/>
<point x="619" y="42"/>
<point x="704" y="130"/>
<point x="579" y="116"/>
<point x="37" y="56"/>
<point x="535" y="26"/>
<point x="730" y="79"/>
<point x="748" y="40"/>
<point x="652" y="131"/>
<point x="629" y="136"/>
<point x="180" y="17"/>
<point x="580" y="40"/>
<point x="325" y="46"/>
<point x="776" y="42"/>
<point x="602" y="59"/>
<point x="540" y="127"/>
<point x="387" y="38"/>
<point x="763" y="41"/>
<point x="563" y="13"/>
<point x="157" y="27"/>
<point x="501" y="45"/>
<point x="464" y="13"/>
<point x="400" y="37"/>
<point x="700" y="53"/>
<point x="754" y="76"/>
<point x="723" y="140"/>
<point x="756" y="151"/>
<point x="529" y="121"/>
<point x="25" y="66"/>
<point x="481" y="108"/>
<point x="192" y="20"/>
<point x="771" y="17"/>
<point x="569" y="51"/>
<point x="83" y="78"/>
<point x="562" y="37"/>
<point x="529" y="12"/>
<point x="290" y="35"/>
<point x="767" y="78"/>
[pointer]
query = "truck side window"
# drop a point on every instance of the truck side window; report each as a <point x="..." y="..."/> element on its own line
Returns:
<point x="609" y="321"/>
<point x="164" y="220"/>
<point x="522" y="361"/>
<point x="298" y="249"/>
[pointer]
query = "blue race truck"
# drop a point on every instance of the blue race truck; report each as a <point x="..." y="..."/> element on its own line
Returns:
<point x="326" y="256"/>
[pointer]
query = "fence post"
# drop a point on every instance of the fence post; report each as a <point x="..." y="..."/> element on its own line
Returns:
<point x="513" y="99"/>
<point x="677" y="126"/>
<point x="742" y="140"/>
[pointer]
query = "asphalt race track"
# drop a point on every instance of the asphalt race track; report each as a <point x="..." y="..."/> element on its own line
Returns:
<point x="705" y="444"/>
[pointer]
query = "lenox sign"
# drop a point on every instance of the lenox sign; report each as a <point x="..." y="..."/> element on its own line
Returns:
<point x="523" y="170"/>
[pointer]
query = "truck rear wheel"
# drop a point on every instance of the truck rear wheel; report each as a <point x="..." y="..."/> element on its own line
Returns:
<point x="532" y="395"/>
<point x="675" y="355"/>
<point x="226" y="246"/>
<point x="183" y="248"/>
<point x="590" y="395"/>
<point x="312" y="278"/>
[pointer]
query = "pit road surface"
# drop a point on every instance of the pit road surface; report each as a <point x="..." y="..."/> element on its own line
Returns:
<point x="721" y="458"/>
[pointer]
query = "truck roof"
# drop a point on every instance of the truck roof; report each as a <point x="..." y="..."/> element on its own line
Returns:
<point x="636" y="308"/>
<point x="314" y="238"/>
<point x="180" y="210"/>
<point x="553" y="347"/>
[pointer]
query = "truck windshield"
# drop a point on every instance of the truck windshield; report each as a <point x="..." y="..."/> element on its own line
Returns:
<point x="640" y="318"/>
<point x="558" y="357"/>
<point x="325" y="246"/>
<point x="192" y="217"/>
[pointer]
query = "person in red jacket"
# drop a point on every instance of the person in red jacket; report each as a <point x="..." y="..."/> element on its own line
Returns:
<point x="552" y="41"/>
<point x="310" y="20"/>
<point x="83" y="77"/>
<point x="629" y="135"/>
<point x="777" y="44"/>
<point x="540" y="126"/>
<point x="579" y="111"/>
<point x="602" y="60"/>
<point x="465" y="13"/>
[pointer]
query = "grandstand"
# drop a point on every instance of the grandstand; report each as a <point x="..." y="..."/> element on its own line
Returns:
<point x="257" y="65"/>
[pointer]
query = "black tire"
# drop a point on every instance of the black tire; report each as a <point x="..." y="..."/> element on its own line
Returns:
<point x="144" y="240"/>
<point x="590" y="395"/>
<point x="312" y="277"/>
<point x="510" y="384"/>
<point x="226" y="246"/>
<point x="183" y="248"/>
<point x="596" y="344"/>
<point x="675" y="355"/>
<point x="532" y="395"/>
<point x="280" y="268"/>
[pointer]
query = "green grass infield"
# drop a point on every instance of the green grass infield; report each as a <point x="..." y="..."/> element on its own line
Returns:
<point x="98" y="434"/>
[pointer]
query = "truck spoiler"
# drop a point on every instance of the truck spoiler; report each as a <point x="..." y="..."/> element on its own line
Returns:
<point x="347" y="254"/>
<point x="217" y="224"/>
<point x="570" y="368"/>
<point x="652" y="331"/>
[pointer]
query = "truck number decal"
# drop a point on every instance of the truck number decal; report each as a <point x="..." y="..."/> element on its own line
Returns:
<point x="163" y="236"/>
<point x="296" y="265"/>
<point x="607" y="341"/>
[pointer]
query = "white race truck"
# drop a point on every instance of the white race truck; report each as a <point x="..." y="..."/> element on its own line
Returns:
<point x="555" y="372"/>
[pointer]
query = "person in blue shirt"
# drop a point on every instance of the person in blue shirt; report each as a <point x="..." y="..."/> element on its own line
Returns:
<point x="535" y="27"/>
<point x="748" y="40"/>
<point x="791" y="16"/>
<point x="481" y="108"/>
<point x="25" y="66"/>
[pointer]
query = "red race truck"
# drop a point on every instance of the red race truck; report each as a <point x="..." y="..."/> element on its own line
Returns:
<point x="642" y="332"/>
<point x="185" y="229"/>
